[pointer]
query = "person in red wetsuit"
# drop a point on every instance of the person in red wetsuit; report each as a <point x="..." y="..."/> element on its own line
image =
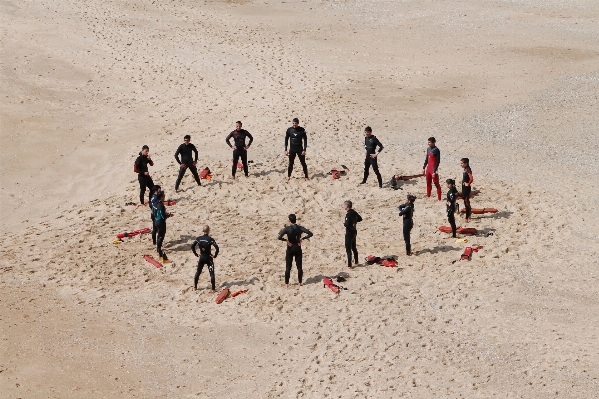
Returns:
<point x="467" y="180"/>
<point x="431" y="166"/>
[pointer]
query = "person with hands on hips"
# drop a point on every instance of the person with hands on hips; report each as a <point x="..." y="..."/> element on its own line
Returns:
<point x="239" y="147"/>
<point x="205" y="242"/>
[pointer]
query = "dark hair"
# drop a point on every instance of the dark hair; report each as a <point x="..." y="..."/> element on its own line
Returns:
<point x="145" y="147"/>
<point x="368" y="129"/>
<point x="432" y="139"/>
<point x="292" y="218"/>
<point x="161" y="195"/>
<point x="239" y="123"/>
<point x="296" y="120"/>
<point x="411" y="198"/>
<point x="156" y="188"/>
<point x="348" y="204"/>
<point x="450" y="181"/>
<point x="187" y="137"/>
<point x="466" y="161"/>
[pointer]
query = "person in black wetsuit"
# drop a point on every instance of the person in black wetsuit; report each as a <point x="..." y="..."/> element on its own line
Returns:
<point x="294" y="247"/>
<point x="452" y="196"/>
<point x="205" y="243"/>
<point x="189" y="159"/>
<point x="143" y="176"/>
<point x="239" y="148"/>
<point x="370" y="145"/>
<point x="299" y="143"/>
<point x="157" y="190"/>
<point x="352" y="218"/>
<point x="467" y="180"/>
<point x="160" y="216"/>
<point x="407" y="212"/>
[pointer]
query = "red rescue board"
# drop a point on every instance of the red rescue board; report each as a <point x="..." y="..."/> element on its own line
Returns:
<point x="134" y="233"/>
<point x="461" y="230"/>
<point x="329" y="283"/>
<point x="233" y="295"/>
<point x="153" y="261"/>
<point x="169" y="202"/>
<point x="222" y="296"/>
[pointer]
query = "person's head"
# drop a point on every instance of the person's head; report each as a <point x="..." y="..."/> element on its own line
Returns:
<point x="187" y="139"/>
<point x="295" y="122"/>
<point x="368" y="131"/>
<point x="292" y="218"/>
<point x="348" y="205"/>
<point x="411" y="198"/>
<point x="464" y="162"/>
<point x="145" y="150"/>
<point x="450" y="183"/>
<point x="432" y="142"/>
<point x="238" y="125"/>
<point x="161" y="195"/>
<point x="206" y="229"/>
<point x="157" y="189"/>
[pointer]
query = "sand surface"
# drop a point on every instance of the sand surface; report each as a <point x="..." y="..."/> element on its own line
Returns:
<point x="513" y="85"/>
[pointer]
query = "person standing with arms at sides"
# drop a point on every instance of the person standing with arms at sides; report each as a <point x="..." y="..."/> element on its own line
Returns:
<point x="467" y="180"/>
<point x="143" y="176"/>
<point x="452" y="196"/>
<point x="205" y="243"/>
<point x="299" y="143"/>
<point x="352" y="218"/>
<point x="160" y="216"/>
<point x="431" y="166"/>
<point x="187" y="161"/>
<point x="407" y="212"/>
<point x="370" y="144"/>
<point x="294" y="247"/>
<point x="239" y="147"/>
<point x="157" y="190"/>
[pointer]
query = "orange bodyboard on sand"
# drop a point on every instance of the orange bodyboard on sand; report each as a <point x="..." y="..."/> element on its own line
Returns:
<point x="153" y="261"/>
<point x="461" y="230"/>
<point x="480" y="211"/>
<point x="222" y="296"/>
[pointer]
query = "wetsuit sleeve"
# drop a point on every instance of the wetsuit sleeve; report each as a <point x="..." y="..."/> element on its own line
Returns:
<point x="403" y="209"/>
<point x="151" y="162"/>
<point x="286" y="139"/>
<point x="425" y="160"/>
<point x="228" y="139"/>
<point x="470" y="177"/>
<point x="380" y="145"/>
<point x="358" y="218"/>
<point x="251" y="138"/>
<point x="305" y="140"/>
<point x="215" y="245"/>
<point x="193" y="248"/>
<point x="438" y="158"/>
<point x="195" y="152"/>
<point x="177" y="155"/>
<point x="282" y="233"/>
<point x="307" y="232"/>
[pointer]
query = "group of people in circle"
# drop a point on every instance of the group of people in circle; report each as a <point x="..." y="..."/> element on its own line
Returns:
<point x="296" y="143"/>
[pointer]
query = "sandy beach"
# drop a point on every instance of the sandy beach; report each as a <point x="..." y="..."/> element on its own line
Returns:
<point x="512" y="85"/>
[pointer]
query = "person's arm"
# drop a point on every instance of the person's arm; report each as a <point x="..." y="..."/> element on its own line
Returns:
<point x="305" y="140"/>
<point x="282" y="233"/>
<point x="286" y="139"/>
<point x="307" y="232"/>
<point x="215" y="245"/>
<point x="228" y="139"/>
<point x="403" y="209"/>
<point x="251" y="138"/>
<point x="177" y="155"/>
<point x="470" y="177"/>
<point x="150" y="160"/>
<point x="136" y="165"/>
<point x="193" y="248"/>
<point x="425" y="160"/>
<point x="195" y="152"/>
<point x="358" y="218"/>
<point x="380" y="145"/>
<point x="438" y="158"/>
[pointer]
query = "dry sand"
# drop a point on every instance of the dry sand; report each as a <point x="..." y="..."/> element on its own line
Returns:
<point x="513" y="85"/>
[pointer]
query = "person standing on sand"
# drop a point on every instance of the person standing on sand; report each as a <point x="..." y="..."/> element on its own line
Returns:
<point x="467" y="180"/>
<point x="143" y="176"/>
<point x="294" y="247"/>
<point x="205" y="242"/>
<point x="299" y="143"/>
<point x="407" y="212"/>
<point x="153" y="201"/>
<point x="431" y="166"/>
<point x="370" y="145"/>
<point x="187" y="161"/>
<point x="239" y="147"/>
<point x="452" y="196"/>
<point x="352" y="218"/>
<point x="160" y="216"/>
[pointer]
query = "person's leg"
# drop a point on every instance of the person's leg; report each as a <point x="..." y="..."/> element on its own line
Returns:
<point x="451" y="219"/>
<point x="467" y="206"/>
<point x="406" y="236"/>
<point x="375" y="167"/>
<point x="298" y="264"/>
<point x="302" y="159"/>
<point x="150" y="185"/>
<point x="235" y="161"/>
<point x="142" y="187"/>
<point x="160" y="239"/>
<point x="198" y="272"/>
<point x="211" y="270"/>
<point x="354" y="248"/>
<point x="436" y="180"/>
<point x="429" y="182"/>
<point x="194" y="172"/>
<point x="291" y="162"/>
<point x="180" y="177"/>
<point x="288" y="263"/>
<point x="366" y="169"/>
<point x="244" y="161"/>
<point x="348" y="247"/>
<point x="153" y="229"/>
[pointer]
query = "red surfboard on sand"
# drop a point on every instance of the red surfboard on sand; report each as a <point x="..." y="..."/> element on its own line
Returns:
<point x="461" y="230"/>
<point x="134" y="233"/>
<point x="233" y="295"/>
<point x="222" y="296"/>
<point x="327" y="282"/>
<point x="480" y="211"/>
<point x="153" y="261"/>
<point x="467" y="255"/>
